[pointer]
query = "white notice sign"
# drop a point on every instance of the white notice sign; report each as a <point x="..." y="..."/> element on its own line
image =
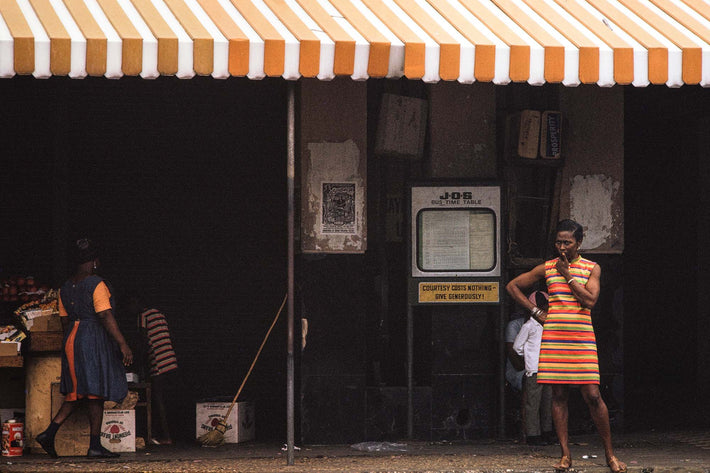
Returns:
<point x="445" y="240"/>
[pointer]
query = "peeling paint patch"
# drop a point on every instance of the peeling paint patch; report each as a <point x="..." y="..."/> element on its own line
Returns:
<point x="591" y="204"/>
<point x="335" y="170"/>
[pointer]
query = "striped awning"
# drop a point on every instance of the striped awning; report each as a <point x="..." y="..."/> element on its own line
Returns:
<point x="572" y="42"/>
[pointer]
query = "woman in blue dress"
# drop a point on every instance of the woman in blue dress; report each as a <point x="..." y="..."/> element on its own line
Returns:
<point x="95" y="351"/>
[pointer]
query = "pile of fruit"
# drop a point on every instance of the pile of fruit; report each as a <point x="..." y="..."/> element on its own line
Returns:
<point x="47" y="304"/>
<point x="21" y="289"/>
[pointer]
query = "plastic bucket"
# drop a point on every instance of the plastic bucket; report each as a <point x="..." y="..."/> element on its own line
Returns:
<point x="13" y="438"/>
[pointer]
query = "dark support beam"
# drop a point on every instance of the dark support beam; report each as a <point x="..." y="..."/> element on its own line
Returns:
<point x="290" y="177"/>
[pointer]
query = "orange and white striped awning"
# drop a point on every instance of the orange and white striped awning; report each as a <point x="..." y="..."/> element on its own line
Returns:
<point x="572" y="42"/>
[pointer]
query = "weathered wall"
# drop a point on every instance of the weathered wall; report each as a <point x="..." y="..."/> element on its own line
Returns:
<point x="462" y="131"/>
<point x="333" y="288"/>
<point x="333" y="154"/>
<point x="593" y="175"/>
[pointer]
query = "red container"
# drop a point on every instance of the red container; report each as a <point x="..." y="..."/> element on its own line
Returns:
<point x="13" y="438"/>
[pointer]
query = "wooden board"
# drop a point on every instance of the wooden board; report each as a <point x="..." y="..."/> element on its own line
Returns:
<point x="11" y="362"/>
<point x="43" y="342"/>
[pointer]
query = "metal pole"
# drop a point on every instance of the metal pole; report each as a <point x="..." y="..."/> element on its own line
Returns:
<point x="410" y="371"/>
<point x="290" y="178"/>
<point x="501" y="369"/>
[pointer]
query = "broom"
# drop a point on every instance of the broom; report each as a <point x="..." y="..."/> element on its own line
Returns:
<point x="215" y="437"/>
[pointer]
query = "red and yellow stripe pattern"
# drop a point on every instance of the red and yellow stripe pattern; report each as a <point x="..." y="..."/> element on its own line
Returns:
<point x="568" y="352"/>
<point x="572" y="42"/>
<point x="160" y="348"/>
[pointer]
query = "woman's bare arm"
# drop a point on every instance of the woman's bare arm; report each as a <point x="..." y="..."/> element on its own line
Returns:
<point x="109" y="323"/>
<point x="523" y="283"/>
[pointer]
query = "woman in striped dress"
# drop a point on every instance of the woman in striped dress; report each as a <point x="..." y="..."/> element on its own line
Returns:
<point x="568" y="352"/>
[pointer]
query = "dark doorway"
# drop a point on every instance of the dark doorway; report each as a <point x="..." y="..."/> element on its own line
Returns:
<point x="183" y="185"/>
<point x="661" y="231"/>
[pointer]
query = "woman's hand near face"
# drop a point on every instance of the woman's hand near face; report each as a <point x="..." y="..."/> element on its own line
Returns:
<point x="562" y="265"/>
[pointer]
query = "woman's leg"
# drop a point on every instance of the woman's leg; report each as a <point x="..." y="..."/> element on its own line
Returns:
<point x="560" y="417"/>
<point x="600" y="416"/>
<point x="46" y="438"/>
<point x="546" y="414"/>
<point x="64" y="412"/>
<point x="96" y="415"/>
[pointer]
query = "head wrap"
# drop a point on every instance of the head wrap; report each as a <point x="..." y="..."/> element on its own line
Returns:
<point x="86" y="250"/>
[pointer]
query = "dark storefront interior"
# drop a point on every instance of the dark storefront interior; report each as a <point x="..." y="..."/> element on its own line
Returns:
<point x="183" y="184"/>
<point x="188" y="205"/>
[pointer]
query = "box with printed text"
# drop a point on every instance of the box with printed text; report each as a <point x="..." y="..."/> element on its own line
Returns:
<point x="240" y="423"/>
<point x="118" y="430"/>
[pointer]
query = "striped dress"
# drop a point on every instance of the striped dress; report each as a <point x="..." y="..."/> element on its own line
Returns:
<point x="568" y="352"/>
<point x="160" y="348"/>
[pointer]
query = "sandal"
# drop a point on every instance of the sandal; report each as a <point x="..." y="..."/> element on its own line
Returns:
<point x="564" y="464"/>
<point x="616" y="465"/>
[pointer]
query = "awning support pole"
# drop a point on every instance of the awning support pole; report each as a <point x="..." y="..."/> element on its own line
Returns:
<point x="501" y="369"/>
<point x="410" y="371"/>
<point x="290" y="177"/>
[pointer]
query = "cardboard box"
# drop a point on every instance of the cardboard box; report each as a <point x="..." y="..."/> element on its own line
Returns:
<point x="240" y="424"/>
<point x="132" y="377"/>
<point x="118" y="431"/>
<point x="523" y="134"/>
<point x="44" y="323"/>
<point x="9" y="348"/>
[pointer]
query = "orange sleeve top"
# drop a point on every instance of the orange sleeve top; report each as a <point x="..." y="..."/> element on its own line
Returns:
<point x="102" y="299"/>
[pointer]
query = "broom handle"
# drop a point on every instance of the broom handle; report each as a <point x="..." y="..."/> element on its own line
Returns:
<point x="229" y="411"/>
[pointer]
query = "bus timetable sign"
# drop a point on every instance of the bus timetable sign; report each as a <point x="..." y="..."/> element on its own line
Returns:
<point x="455" y="244"/>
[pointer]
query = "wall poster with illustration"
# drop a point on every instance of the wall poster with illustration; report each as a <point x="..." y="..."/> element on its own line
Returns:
<point x="338" y="208"/>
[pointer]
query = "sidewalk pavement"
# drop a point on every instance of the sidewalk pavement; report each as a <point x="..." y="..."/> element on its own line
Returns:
<point x="644" y="452"/>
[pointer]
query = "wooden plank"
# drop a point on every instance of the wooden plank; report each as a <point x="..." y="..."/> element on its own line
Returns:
<point x="43" y="342"/>
<point x="11" y="361"/>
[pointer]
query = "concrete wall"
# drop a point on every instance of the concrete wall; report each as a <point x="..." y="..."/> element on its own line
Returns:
<point x="593" y="175"/>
